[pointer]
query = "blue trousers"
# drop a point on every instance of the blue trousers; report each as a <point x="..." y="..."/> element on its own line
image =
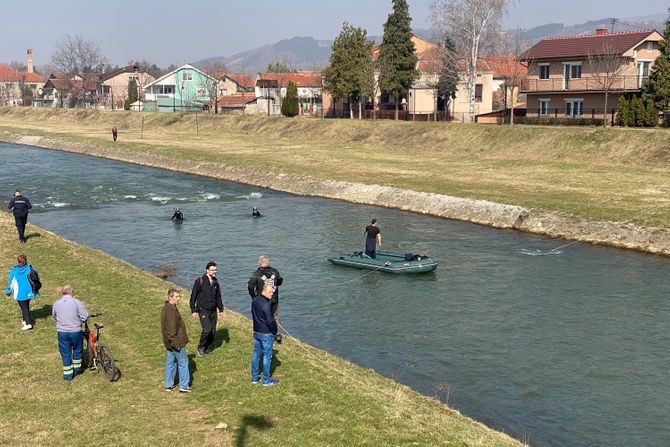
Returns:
<point x="177" y="359"/>
<point x="70" y="345"/>
<point x="262" y="344"/>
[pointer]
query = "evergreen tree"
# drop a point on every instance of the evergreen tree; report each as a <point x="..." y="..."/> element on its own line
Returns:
<point x="397" y="61"/>
<point x="657" y="87"/>
<point x="349" y="74"/>
<point x="280" y="67"/>
<point x="132" y="91"/>
<point x="652" y="114"/>
<point x="623" y="112"/>
<point x="289" y="106"/>
<point x="447" y="83"/>
<point x="638" y="116"/>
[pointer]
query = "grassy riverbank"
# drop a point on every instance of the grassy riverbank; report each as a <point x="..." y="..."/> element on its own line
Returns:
<point x="321" y="401"/>
<point x="598" y="174"/>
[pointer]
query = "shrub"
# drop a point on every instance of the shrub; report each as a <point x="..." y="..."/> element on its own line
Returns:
<point x="289" y="107"/>
<point x="623" y="115"/>
<point x="552" y="121"/>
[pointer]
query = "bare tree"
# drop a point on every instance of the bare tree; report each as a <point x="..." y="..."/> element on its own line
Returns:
<point x="76" y="54"/>
<point x="513" y="71"/>
<point x="468" y="21"/>
<point x="18" y="66"/>
<point x="606" y="68"/>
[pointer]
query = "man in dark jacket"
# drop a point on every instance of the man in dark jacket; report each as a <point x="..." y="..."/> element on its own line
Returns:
<point x="175" y="340"/>
<point x="205" y="300"/>
<point x="20" y="205"/>
<point x="265" y="275"/>
<point x="265" y="329"/>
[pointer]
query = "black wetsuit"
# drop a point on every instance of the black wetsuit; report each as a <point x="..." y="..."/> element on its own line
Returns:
<point x="177" y="216"/>
<point x="256" y="213"/>
<point x="20" y="206"/>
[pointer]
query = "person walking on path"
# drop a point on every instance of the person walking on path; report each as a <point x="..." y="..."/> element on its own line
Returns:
<point x="69" y="314"/>
<point x="20" y="206"/>
<point x="373" y="239"/>
<point x="19" y="285"/>
<point x="175" y="339"/>
<point x="265" y="275"/>
<point x="205" y="300"/>
<point x="115" y="133"/>
<point x="265" y="330"/>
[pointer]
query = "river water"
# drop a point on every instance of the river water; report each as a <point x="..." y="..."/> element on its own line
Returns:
<point x="563" y="350"/>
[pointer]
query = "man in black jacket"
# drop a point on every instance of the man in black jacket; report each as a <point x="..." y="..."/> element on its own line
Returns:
<point x="205" y="300"/>
<point x="265" y="275"/>
<point x="20" y="205"/>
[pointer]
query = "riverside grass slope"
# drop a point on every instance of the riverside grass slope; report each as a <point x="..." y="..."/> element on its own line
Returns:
<point x="322" y="400"/>
<point x="614" y="175"/>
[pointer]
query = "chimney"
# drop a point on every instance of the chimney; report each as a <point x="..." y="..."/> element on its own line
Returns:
<point x="30" y="60"/>
<point x="601" y="31"/>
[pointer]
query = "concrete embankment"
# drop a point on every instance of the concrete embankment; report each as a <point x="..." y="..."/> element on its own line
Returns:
<point x="615" y="234"/>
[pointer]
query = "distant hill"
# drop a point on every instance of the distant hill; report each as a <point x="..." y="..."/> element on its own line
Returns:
<point x="301" y="53"/>
<point x="537" y="33"/>
<point x="306" y="53"/>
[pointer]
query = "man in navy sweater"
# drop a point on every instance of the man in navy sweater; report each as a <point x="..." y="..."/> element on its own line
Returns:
<point x="265" y="329"/>
<point x="20" y="206"/>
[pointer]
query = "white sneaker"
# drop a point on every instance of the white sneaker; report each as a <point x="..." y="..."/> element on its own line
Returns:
<point x="26" y="327"/>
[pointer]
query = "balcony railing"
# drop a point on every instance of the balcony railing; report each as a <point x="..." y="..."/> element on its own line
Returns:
<point x="587" y="83"/>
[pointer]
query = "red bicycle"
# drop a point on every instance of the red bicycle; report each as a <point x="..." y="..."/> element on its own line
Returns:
<point x="98" y="356"/>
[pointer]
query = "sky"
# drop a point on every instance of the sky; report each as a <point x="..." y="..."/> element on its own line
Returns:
<point x="182" y="31"/>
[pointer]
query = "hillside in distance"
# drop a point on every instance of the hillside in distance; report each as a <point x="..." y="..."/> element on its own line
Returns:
<point x="307" y="53"/>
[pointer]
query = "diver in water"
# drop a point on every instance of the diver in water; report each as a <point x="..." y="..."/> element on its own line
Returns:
<point x="177" y="216"/>
<point x="255" y="212"/>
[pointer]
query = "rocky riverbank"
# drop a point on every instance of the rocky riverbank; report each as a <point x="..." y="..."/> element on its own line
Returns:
<point x="615" y="234"/>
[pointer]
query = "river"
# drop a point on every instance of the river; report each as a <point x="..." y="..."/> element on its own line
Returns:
<point x="569" y="349"/>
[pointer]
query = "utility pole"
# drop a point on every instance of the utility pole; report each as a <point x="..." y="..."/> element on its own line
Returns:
<point x="612" y="25"/>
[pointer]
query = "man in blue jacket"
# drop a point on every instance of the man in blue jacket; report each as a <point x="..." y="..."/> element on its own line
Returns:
<point x="265" y="329"/>
<point x="19" y="285"/>
<point x="20" y="205"/>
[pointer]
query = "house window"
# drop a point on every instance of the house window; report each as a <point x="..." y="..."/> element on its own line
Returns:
<point x="201" y="91"/>
<point x="133" y="77"/>
<point x="574" y="107"/>
<point x="187" y="76"/>
<point x="650" y="46"/>
<point x="478" y="92"/>
<point x="545" y="105"/>
<point x="544" y="71"/>
<point x="33" y="86"/>
<point x="167" y="89"/>
<point x="643" y="68"/>
<point x="575" y="71"/>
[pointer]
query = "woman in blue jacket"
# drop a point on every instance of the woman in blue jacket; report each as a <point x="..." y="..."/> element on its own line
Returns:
<point x="20" y="287"/>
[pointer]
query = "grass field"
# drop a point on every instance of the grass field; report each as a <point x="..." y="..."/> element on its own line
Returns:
<point x="321" y="400"/>
<point x="594" y="173"/>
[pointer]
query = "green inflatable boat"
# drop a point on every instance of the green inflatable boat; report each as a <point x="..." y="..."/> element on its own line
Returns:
<point x="387" y="262"/>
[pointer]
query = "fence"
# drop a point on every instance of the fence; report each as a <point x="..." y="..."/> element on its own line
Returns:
<point x="588" y="83"/>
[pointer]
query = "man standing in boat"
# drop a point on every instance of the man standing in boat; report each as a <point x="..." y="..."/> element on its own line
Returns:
<point x="373" y="239"/>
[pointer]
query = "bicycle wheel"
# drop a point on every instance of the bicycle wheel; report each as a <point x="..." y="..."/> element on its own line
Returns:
<point x="106" y="362"/>
<point x="87" y="355"/>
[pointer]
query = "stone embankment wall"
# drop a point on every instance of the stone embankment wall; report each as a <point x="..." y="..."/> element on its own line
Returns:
<point x="622" y="235"/>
